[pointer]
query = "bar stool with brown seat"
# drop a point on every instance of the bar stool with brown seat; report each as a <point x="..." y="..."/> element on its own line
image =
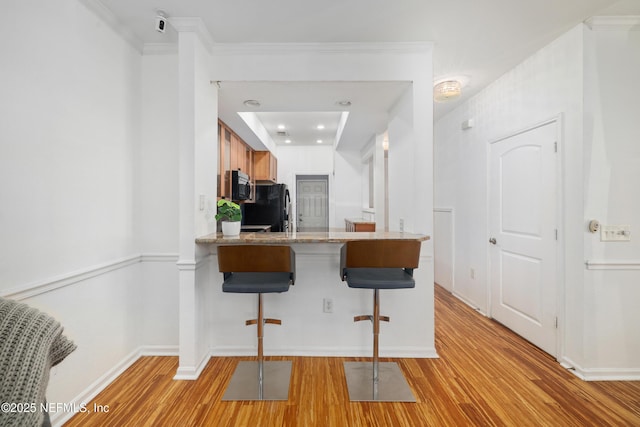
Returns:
<point x="258" y="269"/>
<point x="378" y="264"/>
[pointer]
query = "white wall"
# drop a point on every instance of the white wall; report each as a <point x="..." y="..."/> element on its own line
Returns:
<point x="348" y="188"/>
<point x="611" y="174"/>
<point x="156" y="206"/>
<point x="307" y="160"/>
<point x="545" y="85"/>
<point x="79" y="192"/>
<point x="70" y="124"/>
<point x="599" y="163"/>
<point x="402" y="172"/>
<point x="157" y="201"/>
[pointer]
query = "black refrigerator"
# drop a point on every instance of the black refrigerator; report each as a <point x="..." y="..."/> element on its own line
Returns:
<point x="271" y="207"/>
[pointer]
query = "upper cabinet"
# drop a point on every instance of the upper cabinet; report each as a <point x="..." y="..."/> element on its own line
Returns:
<point x="234" y="154"/>
<point x="265" y="166"/>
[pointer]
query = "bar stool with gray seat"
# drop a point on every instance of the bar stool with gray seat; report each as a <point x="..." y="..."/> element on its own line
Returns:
<point x="258" y="269"/>
<point x="378" y="264"/>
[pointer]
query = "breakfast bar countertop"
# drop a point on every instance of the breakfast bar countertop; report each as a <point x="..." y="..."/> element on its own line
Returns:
<point x="308" y="237"/>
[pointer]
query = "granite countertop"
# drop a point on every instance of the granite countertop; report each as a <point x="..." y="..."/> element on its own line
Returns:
<point x="308" y="237"/>
<point x="255" y="228"/>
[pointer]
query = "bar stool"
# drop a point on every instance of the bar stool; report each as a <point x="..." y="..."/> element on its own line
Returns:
<point x="258" y="269"/>
<point x="378" y="264"/>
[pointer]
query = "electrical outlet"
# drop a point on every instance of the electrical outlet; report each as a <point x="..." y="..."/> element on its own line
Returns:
<point x="401" y="224"/>
<point x="327" y="305"/>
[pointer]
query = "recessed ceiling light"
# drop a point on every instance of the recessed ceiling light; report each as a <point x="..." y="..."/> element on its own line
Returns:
<point x="344" y="103"/>
<point x="320" y="127"/>
<point x="319" y="141"/>
<point x="281" y="127"/>
<point x="287" y="141"/>
<point x="251" y="103"/>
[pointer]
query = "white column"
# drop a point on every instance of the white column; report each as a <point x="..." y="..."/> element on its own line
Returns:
<point x="197" y="105"/>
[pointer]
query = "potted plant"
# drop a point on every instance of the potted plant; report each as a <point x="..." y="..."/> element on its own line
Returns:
<point x="229" y="214"/>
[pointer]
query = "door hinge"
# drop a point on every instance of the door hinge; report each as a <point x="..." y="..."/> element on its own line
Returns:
<point x="556" y="322"/>
<point x="556" y="234"/>
<point x="555" y="147"/>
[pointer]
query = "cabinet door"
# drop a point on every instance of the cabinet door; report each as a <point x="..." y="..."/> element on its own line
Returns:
<point x="240" y="156"/>
<point x="225" y="160"/>
<point x="261" y="165"/>
<point x="234" y="153"/>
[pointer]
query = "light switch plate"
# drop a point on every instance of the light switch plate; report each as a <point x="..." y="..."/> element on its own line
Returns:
<point x="615" y="233"/>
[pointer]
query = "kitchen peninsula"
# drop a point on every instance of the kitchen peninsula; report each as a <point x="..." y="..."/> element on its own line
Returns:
<point x="317" y="313"/>
<point x="307" y="237"/>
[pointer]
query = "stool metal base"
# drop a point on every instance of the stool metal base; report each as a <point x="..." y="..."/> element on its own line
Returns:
<point x="391" y="385"/>
<point x="245" y="383"/>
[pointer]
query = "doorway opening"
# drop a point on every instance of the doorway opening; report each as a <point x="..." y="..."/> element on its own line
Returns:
<point x="312" y="203"/>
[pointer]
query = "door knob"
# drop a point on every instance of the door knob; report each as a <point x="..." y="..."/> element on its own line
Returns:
<point x="492" y="240"/>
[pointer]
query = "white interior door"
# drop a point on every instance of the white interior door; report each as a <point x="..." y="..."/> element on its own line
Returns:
<point x="312" y="203"/>
<point x="523" y="234"/>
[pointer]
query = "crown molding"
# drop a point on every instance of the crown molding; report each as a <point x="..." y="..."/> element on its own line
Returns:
<point x="193" y="25"/>
<point x="112" y="21"/>
<point x="614" y="23"/>
<point x="321" y="48"/>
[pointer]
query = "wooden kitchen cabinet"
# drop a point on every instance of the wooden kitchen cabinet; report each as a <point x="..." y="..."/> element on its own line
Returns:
<point x="359" y="225"/>
<point x="265" y="166"/>
<point x="233" y="154"/>
<point x="224" y="158"/>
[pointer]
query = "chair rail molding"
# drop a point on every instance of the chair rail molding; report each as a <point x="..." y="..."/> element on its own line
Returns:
<point x="613" y="264"/>
<point x="50" y="284"/>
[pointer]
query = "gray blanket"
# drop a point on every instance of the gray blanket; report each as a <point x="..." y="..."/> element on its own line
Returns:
<point x="31" y="342"/>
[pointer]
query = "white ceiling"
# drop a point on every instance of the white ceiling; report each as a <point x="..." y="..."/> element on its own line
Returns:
<point x="301" y="106"/>
<point x="479" y="40"/>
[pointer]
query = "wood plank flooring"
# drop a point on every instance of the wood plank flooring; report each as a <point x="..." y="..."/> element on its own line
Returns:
<point x="485" y="376"/>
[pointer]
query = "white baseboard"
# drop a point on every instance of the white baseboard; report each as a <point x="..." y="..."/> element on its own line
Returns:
<point x="191" y="373"/>
<point x="601" y="374"/>
<point x="59" y="418"/>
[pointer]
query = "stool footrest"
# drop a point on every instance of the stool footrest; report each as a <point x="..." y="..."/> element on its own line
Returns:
<point x="255" y="322"/>
<point x="370" y="317"/>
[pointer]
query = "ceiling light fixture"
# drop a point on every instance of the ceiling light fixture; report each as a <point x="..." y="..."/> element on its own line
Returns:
<point x="319" y="141"/>
<point x="287" y="141"/>
<point x="344" y="103"/>
<point x="251" y="103"/>
<point x="447" y="90"/>
<point x="320" y="127"/>
<point x="281" y="127"/>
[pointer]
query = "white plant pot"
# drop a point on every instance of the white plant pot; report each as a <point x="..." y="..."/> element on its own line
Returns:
<point x="230" y="228"/>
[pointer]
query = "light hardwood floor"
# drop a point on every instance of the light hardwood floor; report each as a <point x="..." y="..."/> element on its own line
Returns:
<point x="485" y="376"/>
